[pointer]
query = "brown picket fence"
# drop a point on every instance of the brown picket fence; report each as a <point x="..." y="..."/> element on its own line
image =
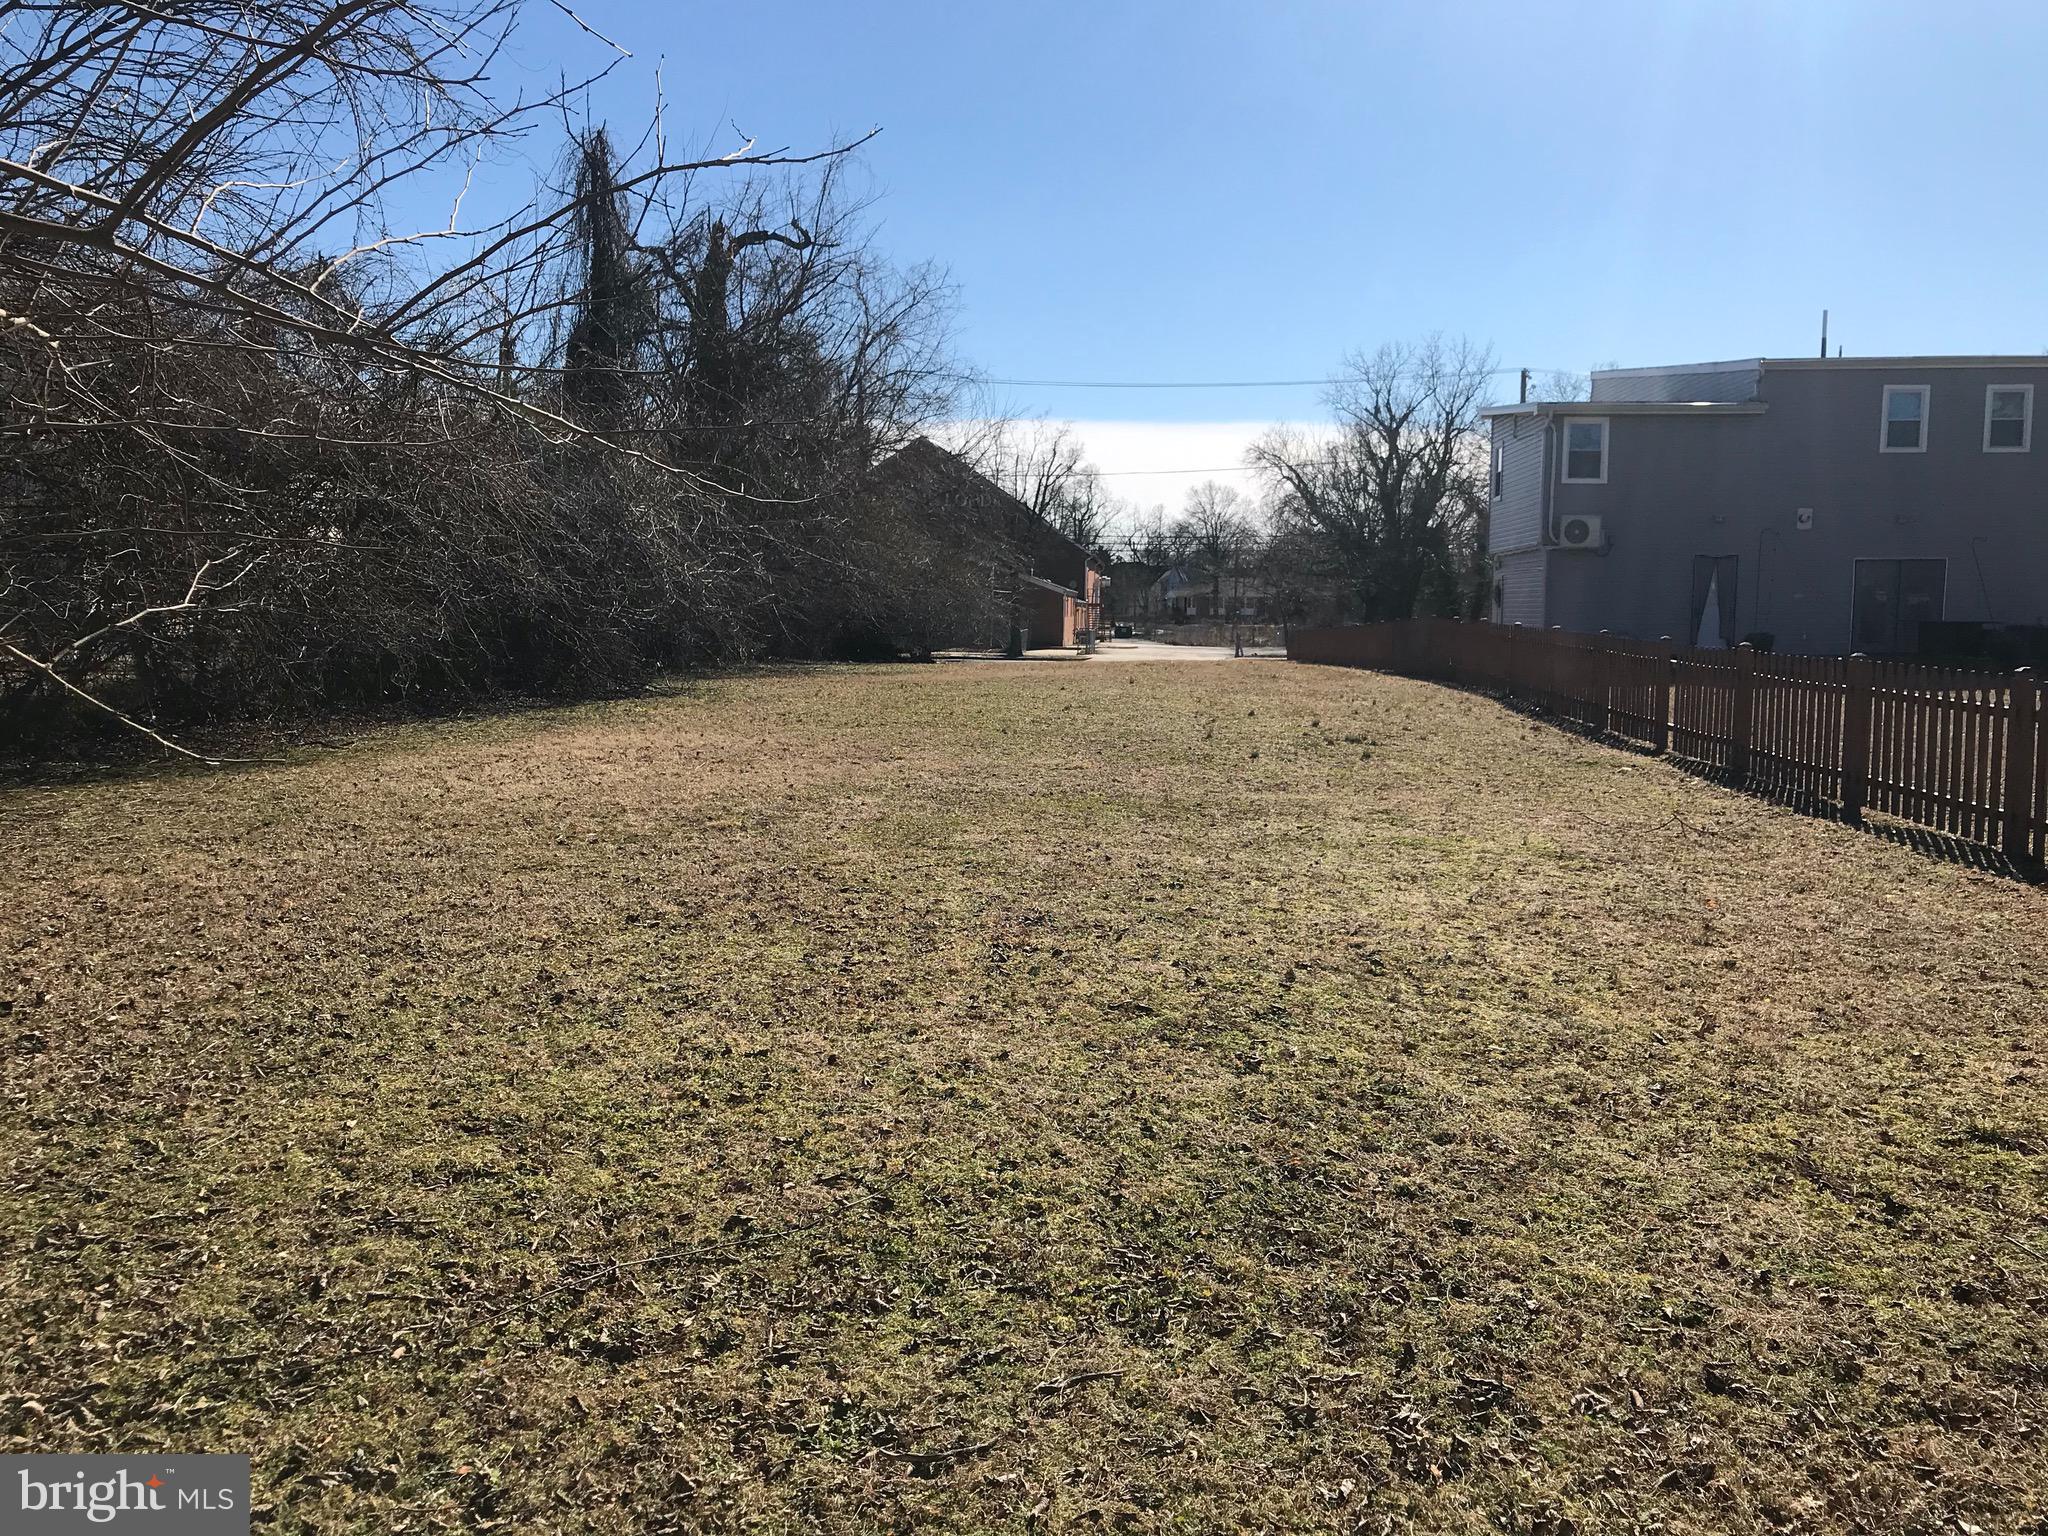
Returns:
<point x="1960" y="753"/>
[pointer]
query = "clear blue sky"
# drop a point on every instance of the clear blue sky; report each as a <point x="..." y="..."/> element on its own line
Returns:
<point x="1206" y="190"/>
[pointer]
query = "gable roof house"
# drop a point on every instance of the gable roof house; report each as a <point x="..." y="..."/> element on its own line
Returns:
<point x="1197" y="592"/>
<point x="1184" y="593"/>
<point x="1831" y="504"/>
<point x="1013" y="580"/>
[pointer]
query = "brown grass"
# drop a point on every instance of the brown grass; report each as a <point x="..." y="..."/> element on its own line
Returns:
<point x="1168" y="1098"/>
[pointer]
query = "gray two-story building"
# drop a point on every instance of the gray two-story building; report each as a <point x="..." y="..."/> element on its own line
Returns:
<point x="1833" y="504"/>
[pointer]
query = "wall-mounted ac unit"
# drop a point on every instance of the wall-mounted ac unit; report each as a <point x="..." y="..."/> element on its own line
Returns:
<point x="1579" y="533"/>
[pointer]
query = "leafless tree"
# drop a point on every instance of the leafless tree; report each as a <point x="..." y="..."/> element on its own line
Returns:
<point x="551" y="447"/>
<point x="1561" y="385"/>
<point x="1299" y="572"/>
<point x="1088" y="512"/>
<point x="1398" y="487"/>
<point x="1215" y="529"/>
<point x="1043" y="464"/>
<point x="1038" y="461"/>
<point x="1157" y="539"/>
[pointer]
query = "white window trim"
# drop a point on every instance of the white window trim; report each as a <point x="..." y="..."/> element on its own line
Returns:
<point x="2026" y="417"/>
<point x="1564" y="451"/>
<point x="1884" y="416"/>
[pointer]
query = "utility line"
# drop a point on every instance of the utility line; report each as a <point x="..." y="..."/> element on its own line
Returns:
<point x="1213" y="383"/>
<point x="1218" y="469"/>
<point x="1162" y="383"/>
<point x="1212" y="469"/>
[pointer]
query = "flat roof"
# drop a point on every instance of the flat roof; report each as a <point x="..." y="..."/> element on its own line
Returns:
<point x="1628" y="408"/>
<point x="1735" y="365"/>
<point x="2032" y="360"/>
<point x="1924" y="360"/>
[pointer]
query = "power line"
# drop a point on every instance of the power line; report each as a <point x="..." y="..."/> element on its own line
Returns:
<point x="1092" y="473"/>
<point x="1219" y="469"/>
<point x="1163" y="383"/>
<point x="1213" y="383"/>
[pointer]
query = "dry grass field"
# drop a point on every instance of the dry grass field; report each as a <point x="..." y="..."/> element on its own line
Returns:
<point x="1187" y="1098"/>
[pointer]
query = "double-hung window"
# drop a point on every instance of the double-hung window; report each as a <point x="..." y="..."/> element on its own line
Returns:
<point x="1905" y="419"/>
<point x="1499" y="474"/>
<point x="2008" y="418"/>
<point x="1585" y="451"/>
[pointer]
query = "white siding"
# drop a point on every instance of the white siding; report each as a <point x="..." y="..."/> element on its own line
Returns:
<point x="1521" y="587"/>
<point x="1517" y="521"/>
<point x="1679" y="383"/>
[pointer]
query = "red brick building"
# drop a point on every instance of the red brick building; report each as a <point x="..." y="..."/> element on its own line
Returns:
<point x="1042" y="590"/>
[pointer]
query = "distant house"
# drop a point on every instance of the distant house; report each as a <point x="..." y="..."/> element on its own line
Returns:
<point x="1184" y="594"/>
<point x="1016" y="582"/>
<point x="1832" y="504"/>
<point x="1193" y="593"/>
<point x="1133" y="597"/>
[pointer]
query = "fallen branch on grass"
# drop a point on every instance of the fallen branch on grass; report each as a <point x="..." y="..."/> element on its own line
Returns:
<point x="936" y="1458"/>
<point x="133" y="724"/>
<point x="1078" y="1379"/>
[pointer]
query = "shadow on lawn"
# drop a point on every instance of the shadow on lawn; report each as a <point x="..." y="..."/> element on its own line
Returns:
<point x="1922" y="840"/>
<point x="109" y="753"/>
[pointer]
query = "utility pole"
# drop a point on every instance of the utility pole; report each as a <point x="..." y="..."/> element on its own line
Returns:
<point x="1236" y="598"/>
<point x="1525" y="386"/>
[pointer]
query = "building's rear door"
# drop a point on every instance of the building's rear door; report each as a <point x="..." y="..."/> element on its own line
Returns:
<point x="1893" y="599"/>
<point x="1713" y="601"/>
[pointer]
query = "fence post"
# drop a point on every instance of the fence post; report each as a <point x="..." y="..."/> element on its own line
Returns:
<point x="1738" y="722"/>
<point x="1603" y="687"/>
<point x="1667" y="677"/>
<point x="2021" y="721"/>
<point x="1859" y="675"/>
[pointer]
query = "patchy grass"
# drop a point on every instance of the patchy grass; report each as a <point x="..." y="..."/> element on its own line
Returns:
<point x="1166" y="1098"/>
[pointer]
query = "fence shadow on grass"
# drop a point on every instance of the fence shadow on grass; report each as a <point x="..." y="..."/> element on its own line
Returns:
<point x="1542" y="714"/>
<point x="1921" y="840"/>
<point x="1954" y="850"/>
<point x="1955" y="760"/>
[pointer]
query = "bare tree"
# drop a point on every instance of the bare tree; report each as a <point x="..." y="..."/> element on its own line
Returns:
<point x="607" y="430"/>
<point x="1216" y="528"/>
<point x="1043" y="465"/>
<point x="1087" y="512"/>
<point x="1398" y="487"/>
<point x="1158" y="539"/>
<point x="1561" y="385"/>
<point x="1041" y="460"/>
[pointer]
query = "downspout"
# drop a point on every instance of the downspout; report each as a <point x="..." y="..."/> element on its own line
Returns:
<point x="1551" y="467"/>
<point x="1549" y="481"/>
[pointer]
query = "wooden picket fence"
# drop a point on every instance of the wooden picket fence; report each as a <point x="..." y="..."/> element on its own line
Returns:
<point x="1961" y="753"/>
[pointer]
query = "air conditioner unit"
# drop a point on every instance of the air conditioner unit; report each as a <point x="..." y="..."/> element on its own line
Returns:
<point x="1579" y="533"/>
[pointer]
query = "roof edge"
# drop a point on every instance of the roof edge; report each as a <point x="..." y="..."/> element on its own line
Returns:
<point x="1933" y="360"/>
<point x="1628" y="408"/>
<point x="922" y="446"/>
<point x="1046" y="584"/>
<point x="1731" y="365"/>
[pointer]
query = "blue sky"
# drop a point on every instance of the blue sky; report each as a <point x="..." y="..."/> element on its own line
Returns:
<point x="1227" y="191"/>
